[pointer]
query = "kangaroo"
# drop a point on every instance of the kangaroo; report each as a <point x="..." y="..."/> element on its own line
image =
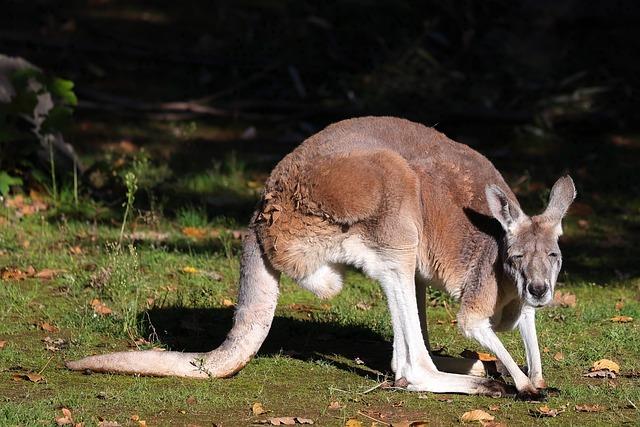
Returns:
<point x="409" y="207"/>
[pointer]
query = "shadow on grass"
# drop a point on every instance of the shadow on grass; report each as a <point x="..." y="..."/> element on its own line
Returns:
<point x="199" y="330"/>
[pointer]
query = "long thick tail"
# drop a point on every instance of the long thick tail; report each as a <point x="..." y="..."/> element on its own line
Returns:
<point x="251" y="322"/>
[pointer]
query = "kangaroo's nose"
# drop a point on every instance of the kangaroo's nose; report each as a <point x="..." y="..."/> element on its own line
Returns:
<point x="537" y="289"/>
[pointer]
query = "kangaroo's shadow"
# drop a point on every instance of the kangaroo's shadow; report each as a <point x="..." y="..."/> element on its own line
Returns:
<point x="199" y="330"/>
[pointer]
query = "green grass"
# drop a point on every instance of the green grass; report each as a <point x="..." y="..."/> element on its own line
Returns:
<point x="308" y="360"/>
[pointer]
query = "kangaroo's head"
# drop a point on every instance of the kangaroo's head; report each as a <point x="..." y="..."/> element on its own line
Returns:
<point x="530" y="254"/>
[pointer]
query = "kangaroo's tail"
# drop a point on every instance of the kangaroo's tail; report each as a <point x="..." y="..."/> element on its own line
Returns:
<point x="251" y="322"/>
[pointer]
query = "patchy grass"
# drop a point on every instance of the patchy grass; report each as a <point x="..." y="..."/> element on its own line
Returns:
<point x="310" y="359"/>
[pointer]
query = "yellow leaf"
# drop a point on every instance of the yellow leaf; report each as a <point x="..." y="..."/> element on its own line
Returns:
<point x="227" y="302"/>
<point x="257" y="409"/>
<point x="352" y="422"/>
<point x="622" y="319"/>
<point x="189" y="270"/>
<point x="476" y="415"/>
<point x="558" y="356"/>
<point x="606" y="364"/>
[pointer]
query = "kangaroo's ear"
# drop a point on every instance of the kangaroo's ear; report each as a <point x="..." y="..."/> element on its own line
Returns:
<point x="562" y="195"/>
<point x="507" y="212"/>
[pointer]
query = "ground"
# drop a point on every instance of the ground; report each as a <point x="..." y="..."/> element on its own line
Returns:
<point x="172" y="283"/>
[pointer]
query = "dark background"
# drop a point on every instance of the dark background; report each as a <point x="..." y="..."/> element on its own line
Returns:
<point x="540" y="87"/>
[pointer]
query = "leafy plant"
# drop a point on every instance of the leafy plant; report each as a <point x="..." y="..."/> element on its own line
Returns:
<point x="6" y="181"/>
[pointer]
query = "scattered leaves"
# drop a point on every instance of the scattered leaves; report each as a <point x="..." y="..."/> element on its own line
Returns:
<point x="100" y="308"/>
<point x="564" y="299"/>
<point x="286" y="421"/>
<point x="622" y="319"/>
<point x="258" y="409"/>
<point x="605" y="364"/>
<point x="46" y="326"/>
<point x="485" y="357"/>
<point x="31" y="376"/>
<point x="589" y="408"/>
<point x="476" y="415"/>
<point x="546" y="411"/>
<point x="56" y="344"/>
<point x="66" y="418"/>
<point x="194" y="232"/>
<point x="47" y="274"/>
<point x="335" y="405"/>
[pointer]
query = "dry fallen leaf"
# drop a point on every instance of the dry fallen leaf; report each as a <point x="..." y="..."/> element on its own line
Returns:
<point x="622" y="319"/>
<point x="31" y="376"/>
<point x="227" y="303"/>
<point x="47" y="273"/>
<point x="600" y="374"/>
<point x="52" y="344"/>
<point x="106" y="423"/>
<point x="485" y="357"/>
<point x="2" y="343"/>
<point x="619" y="305"/>
<point x="564" y="299"/>
<point x="546" y="411"/>
<point x="194" y="232"/>
<point x="335" y="405"/>
<point x="589" y="408"/>
<point x="476" y="415"/>
<point x="605" y="364"/>
<point x="66" y="417"/>
<point x="46" y="326"/>
<point x="189" y="270"/>
<point x="257" y="409"/>
<point x="559" y="356"/>
<point x="100" y="307"/>
<point x="352" y="422"/>
<point x="75" y="250"/>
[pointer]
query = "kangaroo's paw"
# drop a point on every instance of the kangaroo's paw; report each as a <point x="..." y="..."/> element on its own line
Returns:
<point x="531" y="394"/>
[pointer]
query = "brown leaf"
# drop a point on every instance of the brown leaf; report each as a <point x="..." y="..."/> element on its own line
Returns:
<point x="600" y="374"/>
<point x="257" y="409"/>
<point x="100" y="307"/>
<point x="31" y="376"/>
<point x="564" y="299"/>
<point x="46" y="326"/>
<point x="559" y="356"/>
<point x="194" y="232"/>
<point x="622" y="319"/>
<point x="494" y="408"/>
<point x="227" y="303"/>
<point x="287" y="421"/>
<point x="619" y="305"/>
<point x="335" y="405"/>
<point x="485" y="357"/>
<point x="75" y="250"/>
<point x="191" y="400"/>
<point x="605" y="364"/>
<point x="546" y="411"/>
<point x="589" y="408"/>
<point x="66" y="418"/>
<point x="105" y="423"/>
<point x="476" y="415"/>
<point x="301" y="420"/>
<point x="47" y="273"/>
<point x="11" y="273"/>
<point x="2" y="343"/>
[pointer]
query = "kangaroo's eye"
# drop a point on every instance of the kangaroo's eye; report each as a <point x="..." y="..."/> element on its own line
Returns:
<point x="516" y="257"/>
<point x="554" y="255"/>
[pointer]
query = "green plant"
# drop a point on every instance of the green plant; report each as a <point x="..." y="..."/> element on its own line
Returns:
<point x="131" y="182"/>
<point x="6" y="181"/>
<point x="192" y="216"/>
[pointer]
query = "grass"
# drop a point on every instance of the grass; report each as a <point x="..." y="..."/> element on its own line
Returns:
<point x="308" y="360"/>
